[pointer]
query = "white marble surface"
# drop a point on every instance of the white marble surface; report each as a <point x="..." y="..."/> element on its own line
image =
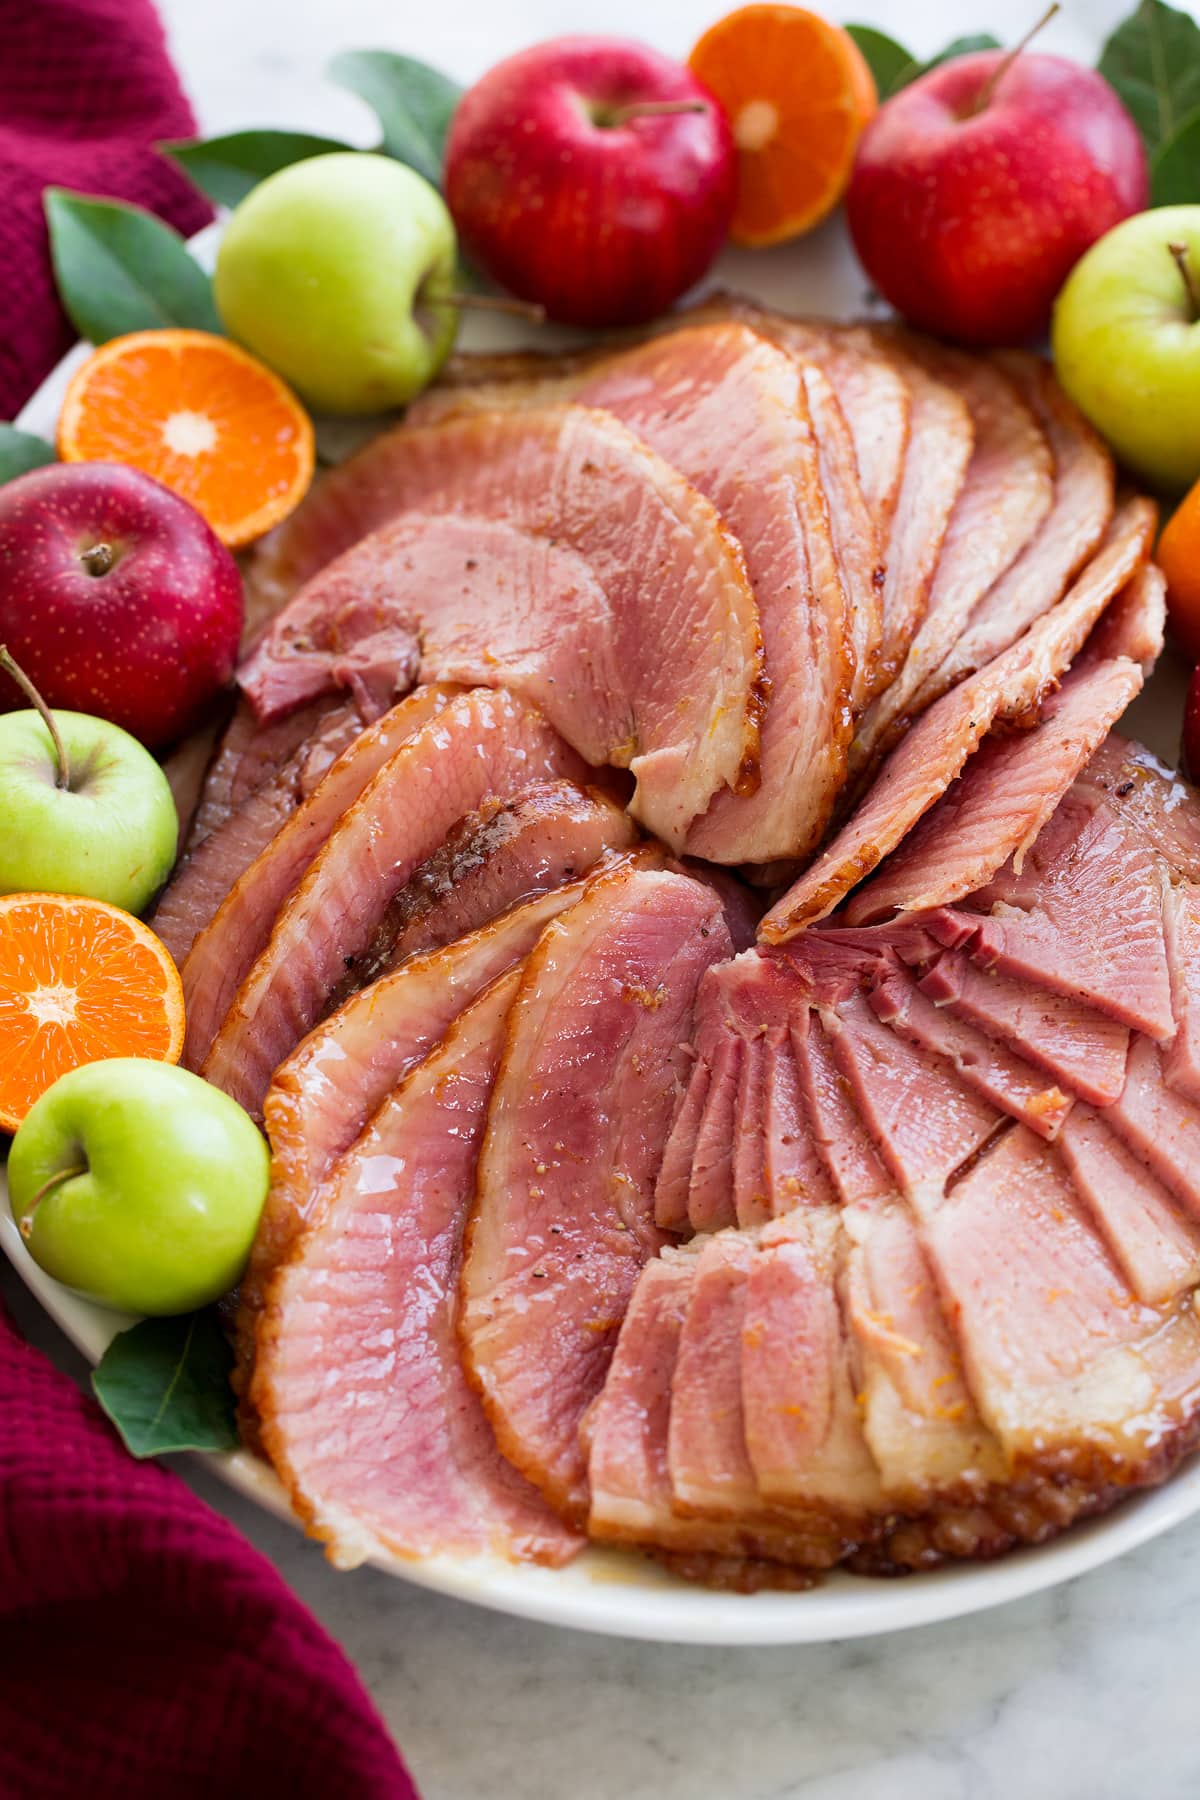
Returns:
<point x="1086" y="1693"/>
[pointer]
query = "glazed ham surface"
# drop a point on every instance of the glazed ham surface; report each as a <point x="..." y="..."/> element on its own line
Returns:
<point x="872" y="1245"/>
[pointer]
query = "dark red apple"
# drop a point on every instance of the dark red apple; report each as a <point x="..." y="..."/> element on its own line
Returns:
<point x="570" y="194"/>
<point x="116" y="598"/>
<point x="970" y="202"/>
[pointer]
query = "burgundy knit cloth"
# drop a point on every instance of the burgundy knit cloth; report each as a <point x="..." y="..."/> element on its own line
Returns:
<point x="146" y="1650"/>
<point x="86" y="90"/>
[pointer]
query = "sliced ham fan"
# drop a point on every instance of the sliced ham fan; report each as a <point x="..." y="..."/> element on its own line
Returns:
<point x="563" y="1219"/>
<point x="360" y="1325"/>
<point x="865" y="1233"/>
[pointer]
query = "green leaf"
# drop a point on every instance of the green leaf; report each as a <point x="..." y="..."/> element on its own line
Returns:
<point x="1153" y="62"/>
<point x="226" y="168"/>
<point x="120" y="269"/>
<point x="413" y="102"/>
<point x="1175" y="170"/>
<point x="964" y="46"/>
<point x="894" y="67"/>
<point x="165" y="1385"/>
<point x="21" y="451"/>
<point x="889" y="62"/>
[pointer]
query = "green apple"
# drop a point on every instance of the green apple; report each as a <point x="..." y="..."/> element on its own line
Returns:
<point x="1126" y="339"/>
<point x="337" y="272"/>
<point x="110" y="833"/>
<point x="139" y="1185"/>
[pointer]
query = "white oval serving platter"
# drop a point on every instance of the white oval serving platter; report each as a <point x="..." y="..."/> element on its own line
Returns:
<point x="620" y="1593"/>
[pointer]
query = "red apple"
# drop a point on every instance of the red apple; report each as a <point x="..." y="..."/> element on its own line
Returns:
<point x="970" y="203"/>
<point x="116" y="598"/>
<point x="569" y="195"/>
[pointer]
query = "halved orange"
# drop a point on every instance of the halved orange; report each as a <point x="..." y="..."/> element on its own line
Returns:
<point x="797" y="92"/>
<point x="79" y="981"/>
<point x="203" y="417"/>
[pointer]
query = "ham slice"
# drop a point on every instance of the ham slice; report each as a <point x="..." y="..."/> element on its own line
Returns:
<point x="1003" y="798"/>
<point x="925" y="1122"/>
<point x="1005" y="495"/>
<point x="937" y="457"/>
<point x="992" y="1070"/>
<point x="225" y="951"/>
<point x="322" y="1097"/>
<point x="479" y="743"/>
<point x="803" y="1430"/>
<point x="1069" y="534"/>
<point x="1181" y="917"/>
<point x="1160" y="806"/>
<point x="247" y="756"/>
<point x="662" y="646"/>
<point x="564" y="1214"/>
<point x="873" y="394"/>
<point x="502" y="853"/>
<point x="365" y="1407"/>
<point x="1158" y="1125"/>
<point x="1069" y="1369"/>
<point x="201" y="882"/>
<point x="1156" y="1245"/>
<point x="919" y="1417"/>
<point x="627" y="1433"/>
<point x="1082" y="1049"/>
<point x="925" y="762"/>
<point x="754" y="1376"/>
<point x="828" y="374"/>
<point x="1083" y="918"/>
<point x="731" y="412"/>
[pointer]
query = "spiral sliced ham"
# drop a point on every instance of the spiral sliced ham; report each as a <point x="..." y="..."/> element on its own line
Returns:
<point x="935" y="1154"/>
<point x="563" y="1219"/>
<point x="364" y="1404"/>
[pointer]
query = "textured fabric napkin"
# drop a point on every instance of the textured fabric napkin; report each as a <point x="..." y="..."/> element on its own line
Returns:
<point x="146" y="1650"/>
<point x="86" y="89"/>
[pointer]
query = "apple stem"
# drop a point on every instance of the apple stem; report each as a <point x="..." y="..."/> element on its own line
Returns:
<point x="1005" y="64"/>
<point x="48" y="1187"/>
<point x="98" y="559"/>
<point x="651" y="109"/>
<point x="1183" y="264"/>
<point x="13" y="669"/>
<point x="499" y="303"/>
